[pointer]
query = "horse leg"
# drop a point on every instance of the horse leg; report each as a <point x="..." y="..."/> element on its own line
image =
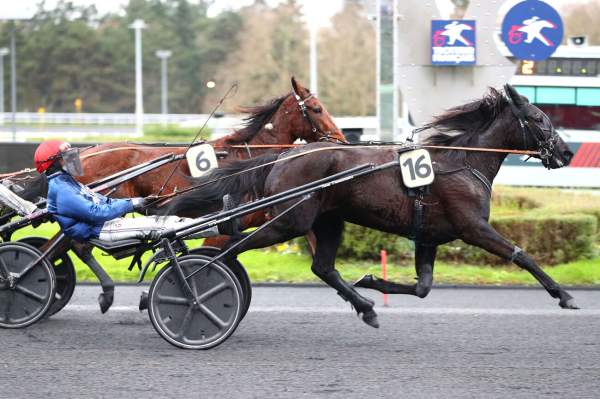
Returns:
<point x="484" y="236"/>
<point x="328" y="232"/>
<point x="311" y="240"/>
<point x="424" y="260"/>
<point x="84" y="252"/>
<point x="252" y="220"/>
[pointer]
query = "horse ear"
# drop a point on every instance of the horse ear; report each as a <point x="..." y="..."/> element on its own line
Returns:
<point x="296" y="87"/>
<point x="512" y="93"/>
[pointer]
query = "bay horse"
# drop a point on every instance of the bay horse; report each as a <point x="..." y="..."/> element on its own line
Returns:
<point x="456" y="206"/>
<point x="297" y="115"/>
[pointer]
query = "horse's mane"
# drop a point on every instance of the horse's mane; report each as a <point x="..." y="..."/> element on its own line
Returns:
<point x="259" y="116"/>
<point x="461" y="125"/>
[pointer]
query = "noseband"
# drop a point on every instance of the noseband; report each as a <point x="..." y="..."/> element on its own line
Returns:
<point x="324" y="136"/>
<point x="545" y="142"/>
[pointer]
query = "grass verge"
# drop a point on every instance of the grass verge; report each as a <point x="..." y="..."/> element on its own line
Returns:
<point x="271" y="266"/>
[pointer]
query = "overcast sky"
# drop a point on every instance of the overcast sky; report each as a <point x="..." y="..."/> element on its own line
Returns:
<point x="316" y="11"/>
<point x="319" y="11"/>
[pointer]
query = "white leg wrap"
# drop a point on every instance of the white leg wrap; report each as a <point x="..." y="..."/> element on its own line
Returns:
<point x="140" y="227"/>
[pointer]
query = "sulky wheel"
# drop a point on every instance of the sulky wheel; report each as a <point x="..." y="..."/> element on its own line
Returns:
<point x="25" y="295"/>
<point x="65" y="275"/>
<point x="236" y="267"/>
<point x="202" y="322"/>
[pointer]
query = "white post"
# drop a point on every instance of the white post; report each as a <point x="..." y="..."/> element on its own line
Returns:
<point x="137" y="26"/>
<point x="164" y="95"/>
<point x="313" y="58"/>
<point x="13" y="82"/>
<point x="396" y="83"/>
<point x="3" y="51"/>
<point x="378" y="67"/>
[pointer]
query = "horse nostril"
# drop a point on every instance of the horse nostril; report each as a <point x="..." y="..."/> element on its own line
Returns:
<point x="567" y="155"/>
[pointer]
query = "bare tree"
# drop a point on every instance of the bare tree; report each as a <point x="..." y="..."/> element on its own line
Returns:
<point x="272" y="47"/>
<point x="347" y="63"/>
<point x="583" y="19"/>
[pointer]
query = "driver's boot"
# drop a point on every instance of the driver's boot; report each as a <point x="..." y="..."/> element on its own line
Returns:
<point x="229" y="227"/>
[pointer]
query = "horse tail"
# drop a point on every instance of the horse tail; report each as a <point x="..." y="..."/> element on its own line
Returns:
<point x="34" y="188"/>
<point x="240" y="178"/>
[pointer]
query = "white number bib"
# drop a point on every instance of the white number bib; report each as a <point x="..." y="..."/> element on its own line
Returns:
<point x="201" y="159"/>
<point x="416" y="168"/>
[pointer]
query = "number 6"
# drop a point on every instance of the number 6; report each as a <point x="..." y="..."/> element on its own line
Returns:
<point x="203" y="164"/>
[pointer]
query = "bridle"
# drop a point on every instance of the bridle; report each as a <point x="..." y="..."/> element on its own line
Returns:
<point x="324" y="136"/>
<point x="545" y="142"/>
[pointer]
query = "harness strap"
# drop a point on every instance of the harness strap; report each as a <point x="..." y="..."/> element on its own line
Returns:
<point x="254" y="190"/>
<point x="417" y="219"/>
<point x="20" y="172"/>
<point x="481" y="177"/>
<point x="247" y="149"/>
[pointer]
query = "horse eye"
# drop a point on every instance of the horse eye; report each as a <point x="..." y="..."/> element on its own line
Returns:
<point x="317" y="110"/>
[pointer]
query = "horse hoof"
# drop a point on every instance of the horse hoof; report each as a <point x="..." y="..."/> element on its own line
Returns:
<point x="105" y="300"/>
<point x="365" y="281"/>
<point x="568" y="304"/>
<point x="370" y="317"/>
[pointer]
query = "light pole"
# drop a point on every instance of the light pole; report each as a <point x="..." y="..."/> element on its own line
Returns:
<point x="13" y="82"/>
<point x="137" y="26"/>
<point x="3" y="51"/>
<point x="313" y="57"/>
<point x="164" y="82"/>
<point x="12" y="14"/>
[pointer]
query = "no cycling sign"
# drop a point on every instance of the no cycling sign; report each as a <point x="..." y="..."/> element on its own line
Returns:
<point x="532" y="30"/>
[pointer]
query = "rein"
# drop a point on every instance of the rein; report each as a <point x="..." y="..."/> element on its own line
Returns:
<point x="160" y="198"/>
<point x="107" y="151"/>
<point x="233" y="88"/>
<point x="20" y="172"/>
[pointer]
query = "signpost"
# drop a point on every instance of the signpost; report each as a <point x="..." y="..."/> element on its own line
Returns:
<point x="532" y="30"/>
<point x="452" y="42"/>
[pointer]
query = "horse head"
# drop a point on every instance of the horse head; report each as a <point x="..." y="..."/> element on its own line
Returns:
<point x="308" y="117"/>
<point x="537" y="132"/>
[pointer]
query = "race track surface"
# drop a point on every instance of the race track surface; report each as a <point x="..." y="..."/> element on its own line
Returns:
<point x="306" y="342"/>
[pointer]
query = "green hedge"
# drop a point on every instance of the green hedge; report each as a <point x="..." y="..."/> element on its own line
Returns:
<point x="363" y="243"/>
<point x="550" y="240"/>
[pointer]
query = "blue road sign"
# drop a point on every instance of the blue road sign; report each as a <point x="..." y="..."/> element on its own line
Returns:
<point x="532" y="30"/>
<point x="452" y="42"/>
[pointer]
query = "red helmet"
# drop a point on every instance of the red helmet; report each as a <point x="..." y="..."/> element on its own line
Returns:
<point x="46" y="153"/>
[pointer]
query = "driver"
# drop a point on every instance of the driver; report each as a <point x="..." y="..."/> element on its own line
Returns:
<point x="83" y="214"/>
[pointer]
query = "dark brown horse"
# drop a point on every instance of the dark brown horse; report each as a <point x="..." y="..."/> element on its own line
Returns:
<point x="457" y="205"/>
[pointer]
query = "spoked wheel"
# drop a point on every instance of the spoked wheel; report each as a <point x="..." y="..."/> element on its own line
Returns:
<point x="236" y="267"/>
<point x="24" y="299"/>
<point x="65" y="275"/>
<point x="204" y="321"/>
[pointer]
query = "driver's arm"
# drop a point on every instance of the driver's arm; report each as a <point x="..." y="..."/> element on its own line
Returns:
<point x="72" y="204"/>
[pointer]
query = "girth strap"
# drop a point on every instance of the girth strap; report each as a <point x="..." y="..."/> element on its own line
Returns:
<point x="417" y="215"/>
<point x="480" y="176"/>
